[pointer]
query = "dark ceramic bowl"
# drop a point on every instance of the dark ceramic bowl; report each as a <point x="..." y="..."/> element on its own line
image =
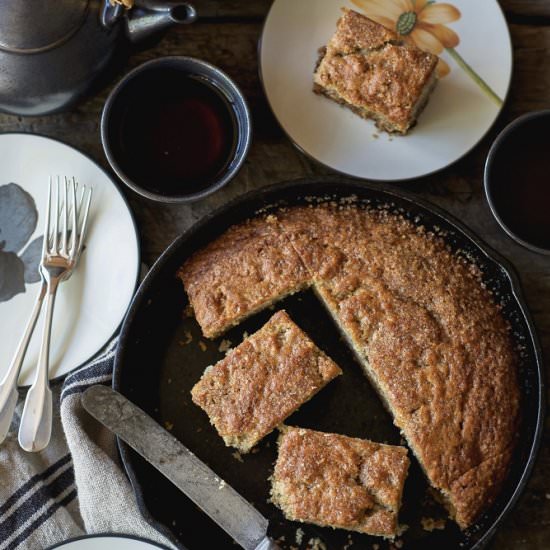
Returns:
<point x="136" y="87"/>
<point x="518" y="156"/>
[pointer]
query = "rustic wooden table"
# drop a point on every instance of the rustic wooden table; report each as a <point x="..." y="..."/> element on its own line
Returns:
<point x="227" y="35"/>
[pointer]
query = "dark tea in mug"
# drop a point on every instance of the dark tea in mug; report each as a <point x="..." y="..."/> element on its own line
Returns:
<point x="176" y="129"/>
<point x="177" y="134"/>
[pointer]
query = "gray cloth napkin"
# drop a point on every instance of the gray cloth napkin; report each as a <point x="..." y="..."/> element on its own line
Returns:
<point x="76" y="485"/>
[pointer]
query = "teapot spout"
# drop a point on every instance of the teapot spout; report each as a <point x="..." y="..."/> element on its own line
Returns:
<point x="149" y="17"/>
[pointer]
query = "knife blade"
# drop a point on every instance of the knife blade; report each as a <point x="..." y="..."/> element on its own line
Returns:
<point x="233" y="513"/>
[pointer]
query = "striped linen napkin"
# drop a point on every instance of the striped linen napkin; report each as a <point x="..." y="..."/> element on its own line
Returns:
<point x="76" y="485"/>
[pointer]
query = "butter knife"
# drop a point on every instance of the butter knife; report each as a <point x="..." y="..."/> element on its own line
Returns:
<point x="233" y="513"/>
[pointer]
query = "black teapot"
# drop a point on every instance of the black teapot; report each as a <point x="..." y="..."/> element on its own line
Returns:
<point x="52" y="50"/>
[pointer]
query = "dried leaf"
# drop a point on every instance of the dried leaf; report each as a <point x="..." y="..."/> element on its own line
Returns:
<point x="18" y="217"/>
<point x="12" y="279"/>
<point x="31" y="259"/>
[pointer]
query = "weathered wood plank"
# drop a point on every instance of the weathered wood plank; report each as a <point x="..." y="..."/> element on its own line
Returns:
<point x="528" y="8"/>
<point x="233" y="47"/>
<point x="232" y="8"/>
<point x="258" y="8"/>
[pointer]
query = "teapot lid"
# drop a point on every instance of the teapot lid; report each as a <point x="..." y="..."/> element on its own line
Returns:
<point x="29" y="27"/>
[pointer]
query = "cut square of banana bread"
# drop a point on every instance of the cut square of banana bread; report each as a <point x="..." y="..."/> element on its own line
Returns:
<point x="338" y="481"/>
<point x="243" y="271"/>
<point x="262" y="381"/>
<point x="375" y="72"/>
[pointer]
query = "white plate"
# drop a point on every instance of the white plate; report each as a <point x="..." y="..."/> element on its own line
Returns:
<point x="91" y="305"/>
<point x="107" y="542"/>
<point x="457" y="116"/>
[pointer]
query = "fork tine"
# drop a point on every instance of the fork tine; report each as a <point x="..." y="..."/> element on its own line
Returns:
<point x="73" y="234"/>
<point x="56" y="220"/>
<point x="65" y="218"/>
<point x="82" y="231"/>
<point x="80" y="203"/>
<point x="46" y="237"/>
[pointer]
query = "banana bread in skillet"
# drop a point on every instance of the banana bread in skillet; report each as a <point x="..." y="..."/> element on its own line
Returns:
<point x="428" y="334"/>
<point x="245" y="270"/>
<point x="261" y="382"/>
<point x="338" y="481"/>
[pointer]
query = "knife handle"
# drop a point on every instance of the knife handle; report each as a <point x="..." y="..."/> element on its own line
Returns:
<point x="267" y="544"/>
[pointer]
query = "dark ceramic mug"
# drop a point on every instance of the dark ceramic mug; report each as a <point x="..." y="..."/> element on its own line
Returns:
<point x="516" y="180"/>
<point x="160" y="146"/>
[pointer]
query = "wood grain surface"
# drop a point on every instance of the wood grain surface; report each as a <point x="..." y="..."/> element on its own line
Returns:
<point x="227" y="35"/>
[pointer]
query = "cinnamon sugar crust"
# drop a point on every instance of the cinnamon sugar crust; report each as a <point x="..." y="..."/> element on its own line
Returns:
<point x="428" y="334"/>
<point x="375" y="72"/>
<point x="338" y="481"/>
<point x="430" y="339"/>
<point x="245" y="270"/>
<point x="263" y="381"/>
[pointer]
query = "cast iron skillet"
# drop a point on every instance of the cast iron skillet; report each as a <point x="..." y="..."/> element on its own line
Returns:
<point x="161" y="354"/>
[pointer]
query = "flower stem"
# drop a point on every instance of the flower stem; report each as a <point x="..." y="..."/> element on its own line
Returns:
<point x="475" y="77"/>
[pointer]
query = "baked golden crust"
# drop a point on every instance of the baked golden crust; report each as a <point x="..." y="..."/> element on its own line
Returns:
<point x="243" y="271"/>
<point x="429" y="336"/>
<point x="427" y="333"/>
<point x="470" y="492"/>
<point x="355" y="32"/>
<point x="338" y="481"/>
<point x="375" y="72"/>
<point x="263" y="381"/>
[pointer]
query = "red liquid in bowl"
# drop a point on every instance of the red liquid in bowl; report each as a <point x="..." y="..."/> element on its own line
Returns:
<point x="520" y="181"/>
<point x="177" y="136"/>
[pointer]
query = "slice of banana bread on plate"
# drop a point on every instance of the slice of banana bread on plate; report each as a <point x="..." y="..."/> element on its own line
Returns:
<point x="376" y="73"/>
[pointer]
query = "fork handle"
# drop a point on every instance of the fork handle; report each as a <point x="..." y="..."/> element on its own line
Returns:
<point x="8" y="386"/>
<point x="36" y="421"/>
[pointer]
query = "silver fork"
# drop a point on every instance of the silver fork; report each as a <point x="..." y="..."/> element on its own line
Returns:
<point x="8" y="385"/>
<point x="61" y="250"/>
